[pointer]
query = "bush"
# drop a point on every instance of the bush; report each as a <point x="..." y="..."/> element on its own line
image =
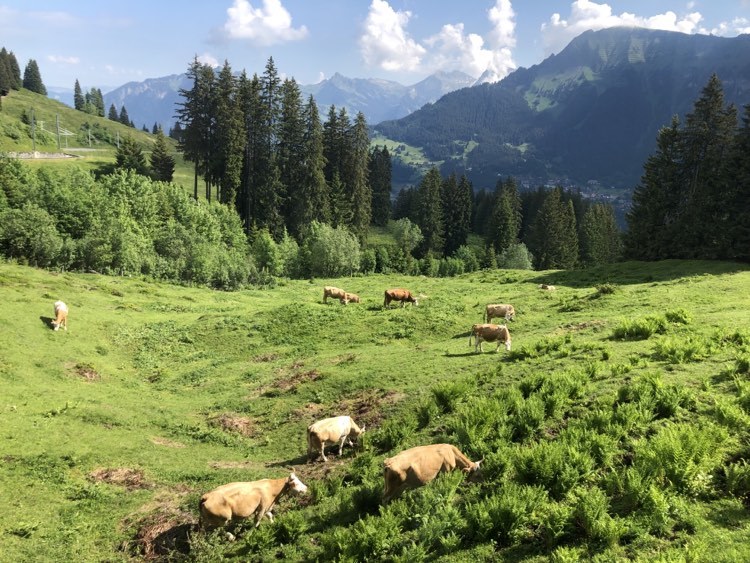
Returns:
<point x="29" y="234"/>
<point x="592" y="519"/>
<point x="681" y="350"/>
<point x="329" y="252"/>
<point x="469" y="259"/>
<point x="510" y="516"/>
<point x="367" y="261"/>
<point x="640" y="329"/>
<point x="516" y="257"/>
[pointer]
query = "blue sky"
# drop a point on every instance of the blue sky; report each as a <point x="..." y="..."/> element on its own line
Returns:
<point x="111" y="42"/>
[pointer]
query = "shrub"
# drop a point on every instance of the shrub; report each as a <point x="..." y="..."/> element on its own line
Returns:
<point x="329" y="252"/>
<point x="682" y="456"/>
<point x="393" y="432"/>
<point x="736" y="477"/>
<point x="367" y="261"/>
<point x="639" y="329"/>
<point x="29" y="234"/>
<point x="557" y="466"/>
<point x="681" y="350"/>
<point x="469" y="259"/>
<point x="516" y="257"/>
<point x="592" y="519"/>
<point x="679" y="316"/>
<point x="448" y="394"/>
<point x="509" y="516"/>
<point x="606" y="289"/>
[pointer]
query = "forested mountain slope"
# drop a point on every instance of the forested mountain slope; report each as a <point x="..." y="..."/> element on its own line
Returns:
<point x="590" y="112"/>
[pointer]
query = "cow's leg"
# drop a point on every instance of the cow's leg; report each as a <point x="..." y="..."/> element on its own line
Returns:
<point x="479" y="341"/>
<point x="341" y="444"/>
<point x="323" y="450"/>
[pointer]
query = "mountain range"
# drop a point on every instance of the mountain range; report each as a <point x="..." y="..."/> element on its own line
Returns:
<point x="155" y="100"/>
<point x="588" y="115"/>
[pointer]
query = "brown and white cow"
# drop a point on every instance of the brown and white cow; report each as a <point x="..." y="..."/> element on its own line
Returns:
<point x="61" y="316"/>
<point x="333" y="292"/>
<point x="403" y="295"/>
<point x="331" y="430"/>
<point x="547" y="287"/>
<point x="350" y="298"/>
<point x="237" y="501"/>
<point x="415" y="467"/>
<point x="502" y="311"/>
<point x="490" y="333"/>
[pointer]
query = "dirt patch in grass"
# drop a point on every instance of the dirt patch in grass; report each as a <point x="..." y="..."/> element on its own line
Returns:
<point x="584" y="325"/>
<point x="129" y="478"/>
<point x="229" y="422"/>
<point x="344" y="359"/>
<point x="161" y="532"/>
<point x="85" y="371"/>
<point x="310" y="411"/>
<point x="366" y="407"/>
<point x="269" y="357"/>
<point x="292" y="377"/>
<point x="235" y="465"/>
<point x="166" y="442"/>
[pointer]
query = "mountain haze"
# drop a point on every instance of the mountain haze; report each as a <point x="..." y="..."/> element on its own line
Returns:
<point x="154" y="100"/>
<point x="592" y="112"/>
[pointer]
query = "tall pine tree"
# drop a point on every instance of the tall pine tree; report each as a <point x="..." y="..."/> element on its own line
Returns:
<point x="358" y="181"/>
<point x="162" y="162"/>
<point x="227" y="158"/>
<point x="600" y="238"/>
<point x="554" y="233"/>
<point x="430" y="210"/>
<point x="381" y="172"/>
<point x="79" y="101"/>
<point x="32" y="78"/>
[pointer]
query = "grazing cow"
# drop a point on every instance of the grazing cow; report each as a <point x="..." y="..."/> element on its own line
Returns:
<point x="547" y="287"/>
<point x="503" y="311"/>
<point x="61" y="316"/>
<point x="337" y="429"/>
<point x="490" y="333"/>
<point x="333" y="292"/>
<point x="403" y="295"/>
<point x="237" y="501"/>
<point x="415" y="467"/>
<point x="350" y="298"/>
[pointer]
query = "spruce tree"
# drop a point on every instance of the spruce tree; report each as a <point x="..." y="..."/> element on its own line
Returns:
<point x="79" y="101"/>
<point x="226" y="166"/>
<point x="15" y="72"/>
<point x="706" y="139"/>
<point x="653" y="217"/>
<point x="358" y="164"/>
<point x="457" y="202"/>
<point x="736" y="214"/>
<point x="380" y="183"/>
<point x="162" y="162"/>
<point x="6" y="82"/>
<point x="112" y="115"/>
<point x="554" y="233"/>
<point x="32" y="78"/>
<point x="430" y="205"/>
<point x="600" y="238"/>
<point x="129" y="156"/>
<point x="124" y="117"/>
<point x="505" y="222"/>
<point x="318" y="196"/>
<point x="289" y="149"/>
<point x="194" y="113"/>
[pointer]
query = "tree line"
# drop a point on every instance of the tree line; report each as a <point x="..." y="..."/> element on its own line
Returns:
<point x="10" y="75"/>
<point x="694" y="197"/>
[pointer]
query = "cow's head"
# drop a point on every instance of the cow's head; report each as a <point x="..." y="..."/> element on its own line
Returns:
<point x="295" y="484"/>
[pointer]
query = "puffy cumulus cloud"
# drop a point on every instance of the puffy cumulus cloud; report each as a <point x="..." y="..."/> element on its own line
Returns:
<point x="58" y="59"/>
<point x="385" y="42"/>
<point x="268" y="25"/>
<point x="585" y="15"/>
<point x="208" y="59"/>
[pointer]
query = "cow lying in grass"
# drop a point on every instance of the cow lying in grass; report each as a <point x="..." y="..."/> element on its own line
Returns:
<point x="502" y="311"/>
<point x="415" y="467"/>
<point x="339" y="429"/>
<point x="547" y="287"/>
<point x="237" y="501"/>
<point x="403" y="295"/>
<point x="61" y="316"/>
<point x="490" y="333"/>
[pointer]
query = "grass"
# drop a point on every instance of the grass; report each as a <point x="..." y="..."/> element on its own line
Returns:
<point x="595" y="446"/>
<point x="16" y="137"/>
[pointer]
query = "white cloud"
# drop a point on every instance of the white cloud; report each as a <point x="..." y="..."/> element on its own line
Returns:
<point x="268" y="25"/>
<point x="585" y="15"/>
<point x="321" y="77"/>
<point x="207" y="59"/>
<point x="63" y="60"/>
<point x="385" y="43"/>
<point x="730" y="29"/>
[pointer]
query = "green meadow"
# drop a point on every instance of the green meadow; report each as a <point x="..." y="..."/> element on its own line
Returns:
<point x="615" y="429"/>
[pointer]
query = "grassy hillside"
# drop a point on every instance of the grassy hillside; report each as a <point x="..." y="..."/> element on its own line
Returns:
<point x="157" y="393"/>
<point x="16" y="136"/>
